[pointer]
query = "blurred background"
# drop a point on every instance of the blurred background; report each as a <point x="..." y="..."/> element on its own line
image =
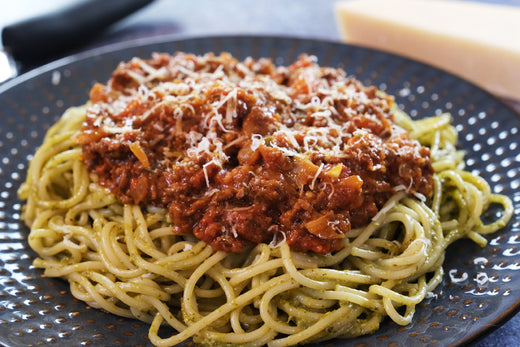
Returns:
<point x="308" y="18"/>
<point x="181" y="19"/>
<point x="202" y="17"/>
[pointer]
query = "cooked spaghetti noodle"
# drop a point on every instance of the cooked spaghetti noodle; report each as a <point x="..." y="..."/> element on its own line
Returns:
<point x="124" y="258"/>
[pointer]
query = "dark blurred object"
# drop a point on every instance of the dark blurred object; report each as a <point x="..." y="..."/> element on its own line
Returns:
<point x="48" y="36"/>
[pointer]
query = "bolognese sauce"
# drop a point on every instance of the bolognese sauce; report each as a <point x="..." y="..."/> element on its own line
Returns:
<point x="242" y="152"/>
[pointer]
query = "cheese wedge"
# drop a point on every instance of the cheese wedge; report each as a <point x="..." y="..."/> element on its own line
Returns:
<point x="477" y="41"/>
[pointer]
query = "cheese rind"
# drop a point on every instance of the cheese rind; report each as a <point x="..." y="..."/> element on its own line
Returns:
<point x="479" y="42"/>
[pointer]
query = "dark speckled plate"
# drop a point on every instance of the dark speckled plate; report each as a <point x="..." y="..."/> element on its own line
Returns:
<point x="41" y="311"/>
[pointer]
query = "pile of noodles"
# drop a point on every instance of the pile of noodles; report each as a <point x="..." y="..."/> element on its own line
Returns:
<point x="125" y="259"/>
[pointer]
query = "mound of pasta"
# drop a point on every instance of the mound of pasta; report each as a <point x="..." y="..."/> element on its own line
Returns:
<point x="239" y="202"/>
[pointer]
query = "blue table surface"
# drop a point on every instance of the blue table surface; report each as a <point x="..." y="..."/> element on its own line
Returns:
<point x="302" y="18"/>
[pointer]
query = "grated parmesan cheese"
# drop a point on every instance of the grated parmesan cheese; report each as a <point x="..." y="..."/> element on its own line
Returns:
<point x="185" y="113"/>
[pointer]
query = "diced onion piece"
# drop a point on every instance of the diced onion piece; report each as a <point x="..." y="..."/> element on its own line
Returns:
<point x="323" y="227"/>
<point x="305" y="170"/>
<point x="138" y="151"/>
<point x="335" y="171"/>
<point x="355" y="182"/>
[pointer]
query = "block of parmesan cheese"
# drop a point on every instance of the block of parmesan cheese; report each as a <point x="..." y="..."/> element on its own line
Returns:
<point x="477" y="41"/>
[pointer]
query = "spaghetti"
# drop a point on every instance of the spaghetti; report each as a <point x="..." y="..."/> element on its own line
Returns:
<point x="117" y="249"/>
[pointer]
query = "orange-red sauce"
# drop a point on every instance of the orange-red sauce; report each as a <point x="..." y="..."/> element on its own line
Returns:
<point x="243" y="152"/>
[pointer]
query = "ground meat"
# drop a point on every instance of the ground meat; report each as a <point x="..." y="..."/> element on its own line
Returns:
<point x="245" y="152"/>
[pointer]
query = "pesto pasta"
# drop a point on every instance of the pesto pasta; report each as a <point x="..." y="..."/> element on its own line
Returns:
<point x="124" y="258"/>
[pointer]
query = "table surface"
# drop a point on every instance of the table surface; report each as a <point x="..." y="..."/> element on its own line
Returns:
<point x="302" y="18"/>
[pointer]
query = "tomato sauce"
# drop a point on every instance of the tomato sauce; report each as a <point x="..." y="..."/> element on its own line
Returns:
<point x="242" y="152"/>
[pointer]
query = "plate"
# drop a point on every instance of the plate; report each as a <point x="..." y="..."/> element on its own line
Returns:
<point x="479" y="289"/>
